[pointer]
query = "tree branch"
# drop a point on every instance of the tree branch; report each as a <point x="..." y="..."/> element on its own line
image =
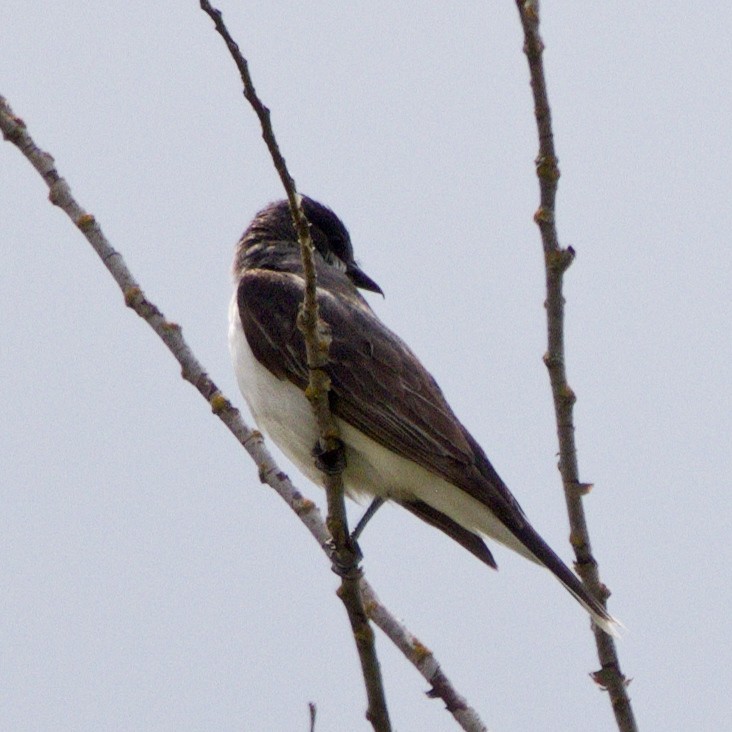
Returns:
<point x="346" y="559"/>
<point x="14" y="130"/>
<point x="424" y="660"/>
<point x="557" y="260"/>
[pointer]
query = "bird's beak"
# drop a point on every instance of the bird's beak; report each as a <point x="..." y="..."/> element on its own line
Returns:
<point x="362" y="280"/>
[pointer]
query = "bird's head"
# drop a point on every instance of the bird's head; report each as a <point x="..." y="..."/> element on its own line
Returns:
<point x="273" y="226"/>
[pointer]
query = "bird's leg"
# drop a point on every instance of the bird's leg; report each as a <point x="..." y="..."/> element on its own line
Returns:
<point x="370" y="511"/>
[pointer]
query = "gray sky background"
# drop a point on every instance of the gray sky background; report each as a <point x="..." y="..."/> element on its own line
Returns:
<point x="148" y="580"/>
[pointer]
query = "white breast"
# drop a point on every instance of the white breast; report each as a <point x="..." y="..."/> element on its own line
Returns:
<point x="279" y="408"/>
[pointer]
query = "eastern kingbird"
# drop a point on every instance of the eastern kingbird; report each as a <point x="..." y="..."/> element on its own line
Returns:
<point x="402" y="441"/>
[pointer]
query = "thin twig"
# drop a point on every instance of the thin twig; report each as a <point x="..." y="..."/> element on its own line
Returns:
<point x="313" y="713"/>
<point x="14" y="130"/>
<point x="346" y="559"/>
<point x="557" y="260"/>
<point x="424" y="660"/>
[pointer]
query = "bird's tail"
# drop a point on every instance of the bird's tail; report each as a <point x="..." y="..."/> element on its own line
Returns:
<point x="546" y="556"/>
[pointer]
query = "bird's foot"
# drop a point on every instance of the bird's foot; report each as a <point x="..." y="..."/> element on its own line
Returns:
<point x="345" y="562"/>
<point x="331" y="461"/>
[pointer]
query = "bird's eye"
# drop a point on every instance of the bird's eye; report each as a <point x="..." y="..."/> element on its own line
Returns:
<point x="335" y="261"/>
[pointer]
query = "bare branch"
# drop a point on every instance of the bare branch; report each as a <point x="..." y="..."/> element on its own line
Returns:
<point x="424" y="660"/>
<point x="14" y="130"/>
<point x="557" y="260"/>
<point x="346" y="559"/>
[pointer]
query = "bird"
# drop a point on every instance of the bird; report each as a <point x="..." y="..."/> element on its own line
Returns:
<point x="401" y="440"/>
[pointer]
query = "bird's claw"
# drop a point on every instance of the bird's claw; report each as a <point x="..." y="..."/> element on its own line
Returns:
<point x="332" y="461"/>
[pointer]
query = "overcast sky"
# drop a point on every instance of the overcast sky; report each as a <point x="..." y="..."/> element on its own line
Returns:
<point x="148" y="580"/>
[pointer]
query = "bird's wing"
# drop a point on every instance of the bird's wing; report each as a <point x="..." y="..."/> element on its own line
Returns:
<point x="378" y="384"/>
